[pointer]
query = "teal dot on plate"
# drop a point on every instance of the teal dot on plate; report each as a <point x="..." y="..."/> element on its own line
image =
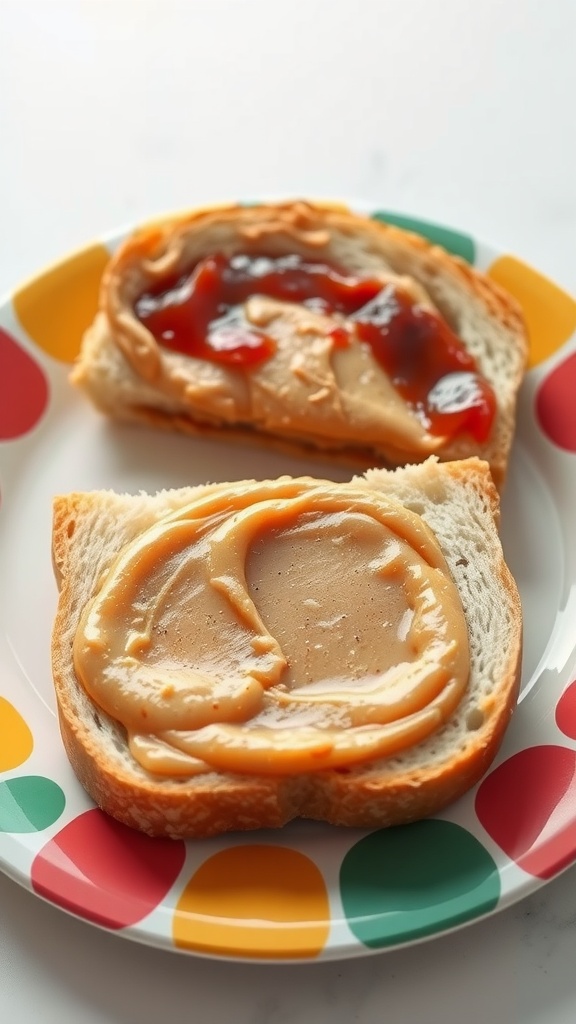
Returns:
<point x="455" y="242"/>
<point x="30" y="803"/>
<point x="401" y="884"/>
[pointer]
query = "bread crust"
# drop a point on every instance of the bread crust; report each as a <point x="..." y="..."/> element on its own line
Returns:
<point x="90" y="529"/>
<point x="156" y="387"/>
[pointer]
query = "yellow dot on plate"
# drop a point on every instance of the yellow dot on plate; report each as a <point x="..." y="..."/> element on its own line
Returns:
<point x="258" y="901"/>
<point x="550" y="312"/>
<point x="56" y="307"/>
<point x="16" y="743"/>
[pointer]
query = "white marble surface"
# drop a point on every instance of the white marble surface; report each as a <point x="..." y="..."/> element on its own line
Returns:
<point x="460" y="112"/>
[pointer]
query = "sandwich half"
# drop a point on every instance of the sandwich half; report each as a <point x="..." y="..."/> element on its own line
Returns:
<point x="233" y="656"/>
<point x="313" y="329"/>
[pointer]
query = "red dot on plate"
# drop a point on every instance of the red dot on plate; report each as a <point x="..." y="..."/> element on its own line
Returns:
<point x="555" y="404"/>
<point x="106" y="872"/>
<point x="23" y="389"/>
<point x="528" y="806"/>
<point x="566" y="712"/>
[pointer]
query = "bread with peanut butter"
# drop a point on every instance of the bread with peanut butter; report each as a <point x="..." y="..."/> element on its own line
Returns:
<point x="233" y="656"/>
<point x="311" y="328"/>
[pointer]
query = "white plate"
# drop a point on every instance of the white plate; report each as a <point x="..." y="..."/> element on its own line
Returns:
<point x="307" y="891"/>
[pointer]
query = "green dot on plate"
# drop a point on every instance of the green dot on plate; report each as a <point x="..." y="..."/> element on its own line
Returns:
<point x="30" y="803"/>
<point x="404" y="883"/>
<point x="455" y="242"/>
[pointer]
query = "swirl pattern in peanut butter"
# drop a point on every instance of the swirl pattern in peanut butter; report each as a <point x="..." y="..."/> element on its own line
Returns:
<point x="280" y="627"/>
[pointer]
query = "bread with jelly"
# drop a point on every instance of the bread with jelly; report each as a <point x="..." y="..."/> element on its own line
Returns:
<point x="311" y="328"/>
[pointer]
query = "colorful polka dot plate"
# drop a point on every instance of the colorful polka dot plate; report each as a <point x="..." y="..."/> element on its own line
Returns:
<point x="307" y="891"/>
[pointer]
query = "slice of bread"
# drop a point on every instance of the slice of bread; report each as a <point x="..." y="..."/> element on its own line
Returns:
<point x="459" y="504"/>
<point x="308" y="395"/>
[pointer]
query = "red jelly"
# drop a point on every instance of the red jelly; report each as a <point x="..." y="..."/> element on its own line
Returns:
<point x="428" y="364"/>
<point x="200" y="314"/>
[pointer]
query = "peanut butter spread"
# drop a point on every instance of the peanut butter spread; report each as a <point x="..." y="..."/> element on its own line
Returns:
<point x="283" y="361"/>
<point x="277" y="627"/>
